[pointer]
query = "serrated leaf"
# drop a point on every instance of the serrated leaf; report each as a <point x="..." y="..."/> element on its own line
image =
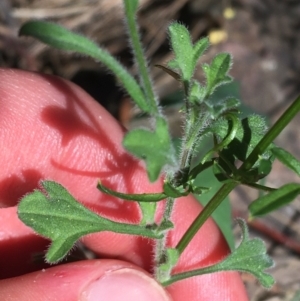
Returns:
<point x="61" y="38"/>
<point x="287" y="159"/>
<point x="216" y="72"/>
<point x="251" y="257"/>
<point x="153" y="147"/>
<point x="55" y="214"/>
<point x="274" y="200"/>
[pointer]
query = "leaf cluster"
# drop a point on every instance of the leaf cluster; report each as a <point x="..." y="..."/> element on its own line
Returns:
<point x="242" y="153"/>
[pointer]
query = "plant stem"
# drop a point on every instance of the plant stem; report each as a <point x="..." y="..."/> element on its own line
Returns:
<point x="259" y="187"/>
<point x="139" y="56"/>
<point x="160" y="246"/>
<point x="204" y="215"/>
<point x="184" y="275"/>
<point x="260" y="148"/>
<point x="270" y="136"/>
<point x="168" y="209"/>
<point x="191" y="138"/>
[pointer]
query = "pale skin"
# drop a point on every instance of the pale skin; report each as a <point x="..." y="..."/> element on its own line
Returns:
<point x="51" y="129"/>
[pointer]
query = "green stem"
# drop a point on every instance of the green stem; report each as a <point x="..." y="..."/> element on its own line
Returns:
<point x="191" y="138"/>
<point x="160" y="246"/>
<point x="130" y="10"/>
<point x="270" y="136"/>
<point x="204" y="215"/>
<point x="128" y="229"/>
<point x="259" y="187"/>
<point x="184" y="275"/>
<point x="169" y="208"/>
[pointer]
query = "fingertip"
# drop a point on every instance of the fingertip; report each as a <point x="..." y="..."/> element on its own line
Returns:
<point x="124" y="284"/>
<point x="91" y="280"/>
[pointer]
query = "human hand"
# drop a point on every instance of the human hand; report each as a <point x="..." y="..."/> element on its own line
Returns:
<point x="51" y="129"/>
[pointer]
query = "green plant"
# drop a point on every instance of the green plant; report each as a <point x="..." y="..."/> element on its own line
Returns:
<point x="50" y="211"/>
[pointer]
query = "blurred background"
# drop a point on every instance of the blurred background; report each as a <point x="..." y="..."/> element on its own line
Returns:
<point x="262" y="36"/>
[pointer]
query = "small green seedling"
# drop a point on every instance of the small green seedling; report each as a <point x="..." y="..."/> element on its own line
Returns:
<point x="248" y="141"/>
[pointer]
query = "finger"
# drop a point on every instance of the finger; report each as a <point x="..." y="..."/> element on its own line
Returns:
<point x="92" y="280"/>
<point x="51" y="129"/>
<point x="76" y="142"/>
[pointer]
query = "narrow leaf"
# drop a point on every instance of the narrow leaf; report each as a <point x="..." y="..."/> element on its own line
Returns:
<point x="143" y="197"/>
<point x="55" y="214"/>
<point x="287" y="159"/>
<point x="199" y="48"/>
<point x="274" y="200"/>
<point x="183" y="50"/>
<point x="61" y="38"/>
<point x="174" y="74"/>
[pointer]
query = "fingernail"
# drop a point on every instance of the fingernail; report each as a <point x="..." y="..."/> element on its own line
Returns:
<point x="124" y="285"/>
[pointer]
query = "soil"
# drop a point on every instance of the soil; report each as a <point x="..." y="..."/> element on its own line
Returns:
<point x="262" y="36"/>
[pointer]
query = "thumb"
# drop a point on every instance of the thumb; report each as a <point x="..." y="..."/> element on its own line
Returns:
<point x="92" y="280"/>
<point x="124" y="284"/>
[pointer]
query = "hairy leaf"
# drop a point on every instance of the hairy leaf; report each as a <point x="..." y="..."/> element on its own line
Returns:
<point x="216" y="72"/>
<point x="274" y="199"/>
<point x="250" y="257"/>
<point x="223" y="106"/>
<point x="197" y="92"/>
<point x="153" y="147"/>
<point x="55" y="214"/>
<point x="186" y="54"/>
<point x="287" y="159"/>
<point x="61" y="38"/>
<point x="250" y="132"/>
